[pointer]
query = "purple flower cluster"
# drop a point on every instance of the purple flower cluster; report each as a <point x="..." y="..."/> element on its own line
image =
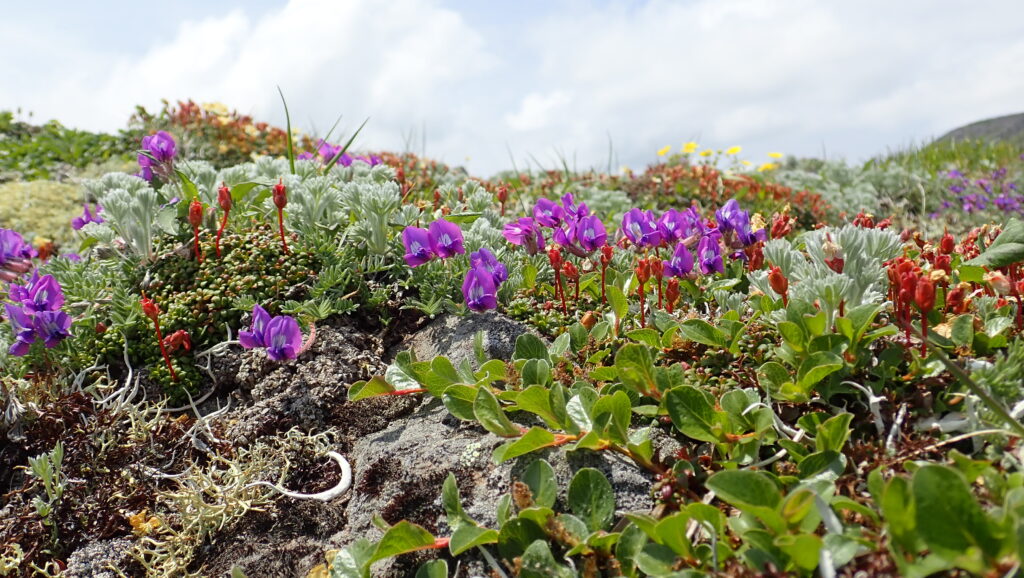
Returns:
<point x="326" y="151"/>
<point x="979" y="194"/>
<point x="485" y="275"/>
<point x="15" y="255"/>
<point x="574" y="228"/>
<point x="87" y="217"/>
<point x="158" y="151"/>
<point x="442" y="239"/>
<point x="685" y="231"/>
<point x="280" y="335"/>
<point x="36" y="313"/>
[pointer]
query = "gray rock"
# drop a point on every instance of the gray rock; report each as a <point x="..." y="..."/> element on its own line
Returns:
<point x="100" y="559"/>
<point x="453" y="337"/>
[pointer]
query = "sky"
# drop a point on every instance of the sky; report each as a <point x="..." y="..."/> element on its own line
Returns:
<point x="492" y="85"/>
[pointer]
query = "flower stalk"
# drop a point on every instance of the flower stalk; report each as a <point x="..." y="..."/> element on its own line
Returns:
<point x="280" y="201"/>
<point x="152" y="310"/>
<point x="195" y="218"/>
<point x="224" y="200"/>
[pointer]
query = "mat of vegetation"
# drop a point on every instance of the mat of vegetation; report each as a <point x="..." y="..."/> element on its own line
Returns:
<point x="272" y="357"/>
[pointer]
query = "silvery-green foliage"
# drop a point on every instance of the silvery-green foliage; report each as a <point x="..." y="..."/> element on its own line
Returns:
<point x="371" y="207"/>
<point x="237" y="174"/>
<point x="730" y="300"/>
<point x="407" y="215"/>
<point x="96" y="188"/>
<point x="477" y="198"/>
<point x="863" y="280"/>
<point x="136" y="216"/>
<point x="203" y="176"/>
<point x="603" y="202"/>
<point x="273" y="167"/>
<point x="482" y="233"/>
<point x="314" y="203"/>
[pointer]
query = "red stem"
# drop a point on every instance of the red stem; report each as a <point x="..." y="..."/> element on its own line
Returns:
<point x="280" y="222"/>
<point x="924" y="333"/>
<point x="560" y="292"/>
<point x="604" y="298"/>
<point x="220" y="231"/>
<point x="406" y="391"/>
<point x="659" y="293"/>
<point x="643" y="318"/>
<point x="163" y="351"/>
<point x="199" y="256"/>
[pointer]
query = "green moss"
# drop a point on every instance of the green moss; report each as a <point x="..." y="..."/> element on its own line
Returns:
<point x="40" y="209"/>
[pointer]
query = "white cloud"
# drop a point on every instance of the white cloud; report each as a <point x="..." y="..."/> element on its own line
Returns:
<point x="792" y="75"/>
<point x="536" y="110"/>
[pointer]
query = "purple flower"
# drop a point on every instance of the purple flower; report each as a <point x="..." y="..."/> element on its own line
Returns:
<point x="282" y="338"/>
<point x="590" y="233"/>
<point x="709" y="256"/>
<point x="160" y="145"/>
<point x="280" y="335"/>
<point x="24" y="330"/>
<point x="547" y="213"/>
<point x="681" y="262"/>
<point x="572" y="210"/>
<point x="372" y="160"/>
<point x="40" y="294"/>
<point x="72" y="257"/>
<point x="13" y="246"/>
<point x="479" y="289"/>
<point x="445" y="239"/>
<point x="524" y="232"/>
<point x="52" y="326"/>
<point x="673" y="225"/>
<point x="731" y="218"/>
<point x="417" y="246"/>
<point x="328" y="151"/>
<point x="255" y="336"/>
<point x="485" y="259"/>
<point x="640" y="228"/>
<point x="305" y="156"/>
<point x="87" y="217"/>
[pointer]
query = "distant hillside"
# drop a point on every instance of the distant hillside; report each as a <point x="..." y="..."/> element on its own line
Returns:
<point x="1008" y="128"/>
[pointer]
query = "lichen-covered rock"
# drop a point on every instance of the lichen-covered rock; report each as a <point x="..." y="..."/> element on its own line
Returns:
<point x="453" y="336"/>
<point x="100" y="559"/>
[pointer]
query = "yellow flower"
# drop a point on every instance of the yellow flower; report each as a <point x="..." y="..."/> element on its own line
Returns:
<point x="775" y="155"/>
<point x="141" y="525"/>
<point x="625" y="169"/>
<point x="216" y="108"/>
<point x="664" y="150"/>
<point x="706" y="152"/>
<point x="746" y="163"/>
<point x="733" y="150"/>
<point x="767" y="167"/>
<point x="689" y="147"/>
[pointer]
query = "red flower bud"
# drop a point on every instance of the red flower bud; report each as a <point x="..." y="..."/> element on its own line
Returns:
<point x="924" y="294"/>
<point x="943" y="262"/>
<point x="570" y="270"/>
<point x="502" y="193"/>
<point x="657" y="268"/>
<point x="280" y="194"/>
<point x="778" y="281"/>
<point x="947" y="244"/>
<point x="555" y="257"/>
<point x="643" y="271"/>
<point x="606" y="254"/>
<point x="150" y="309"/>
<point x="955" y="300"/>
<point x="224" y="197"/>
<point x="672" y="293"/>
<point x="195" y="213"/>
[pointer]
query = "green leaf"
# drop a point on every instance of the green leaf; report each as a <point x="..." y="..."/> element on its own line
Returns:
<point x="816" y="367"/>
<point x="560" y="345"/>
<point x="898" y="508"/>
<point x="803" y="549"/>
<point x="540" y="478"/>
<point x="364" y="389"/>
<point x="468" y="536"/>
<point x="458" y="399"/>
<point x="536" y="372"/>
<point x="703" y="332"/>
<point x="592" y="499"/>
<point x="353" y="561"/>
<point x="629" y="546"/>
<point x="948" y="517"/>
<point x="538" y="562"/>
<point x="453" y="503"/>
<point x="833" y="433"/>
<point x="773" y="377"/>
<point x="818" y="462"/>
<point x="466" y="218"/>
<point x="617" y="301"/>
<point x="529" y="346"/>
<point x="1007" y="249"/>
<point x="534" y="439"/>
<point x="656" y="560"/>
<point x="402" y="538"/>
<point x="672" y="533"/>
<point x="793" y="334"/>
<point x="577" y="336"/>
<point x="971" y="274"/>
<point x="516" y="535"/>
<point x="635" y="365"/>
<point x="288" y="132"/>
<point x="619" y="411"/>
<point x="536" y="399"/>
<point x="962" y="330"/>
<point x="442" y="367"/>
<point x="815" y="324"/>
<point x="607" y="373"/>
<point x="434" y="569"/>
<point x="745" y="488"/>
<point x="692" y="413"/>
<point x="400" y="379"/>
<point x="647" y="336"/>
<point x="239" y="191"/>
<point x="488" y="412"/>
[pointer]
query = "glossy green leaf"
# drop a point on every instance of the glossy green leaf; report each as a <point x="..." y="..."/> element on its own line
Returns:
<point x="833" y="433"/>
<point x="692" y="413"/>
<point x="617" y="301"/>
<point x="516" y="535"/>
<point x="536" y="399"/>
<point x="354" y="560"/>
<point x="434" y="569"/>
<point x="948" y="516"/>
<point x="529" y="346"/>
<point x="803" y="549"/>
<point x="468" y="536"/>
<point x="488" y="412"/>
<point x="539" y="562"/>
<point x="536" y="372"/>
<point x="591" y="498"/>
<point x="703" y="332"/>
<point x="534" y="439"/>
<point x="363" y="389"/>
<point x="646" y="336"/>
<point x="1007" y="249"/>
<point x="817" y="367"/>
<point x="962" y="330"/>
<point x="635" y="367"/>
<point x="745" y="488"/>
<point x="458" y="399"/>
<point x="452" y="503"/>
<point x="793" y="334"/>
<point x="540" y="477"/>
<point x="402" y="538"/>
